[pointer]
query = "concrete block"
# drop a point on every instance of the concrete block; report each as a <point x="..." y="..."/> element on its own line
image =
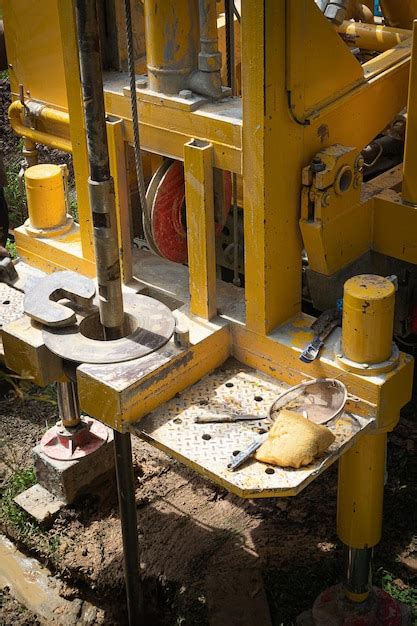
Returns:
<point x="66" y="480"/>
<point x="39" y="503"/>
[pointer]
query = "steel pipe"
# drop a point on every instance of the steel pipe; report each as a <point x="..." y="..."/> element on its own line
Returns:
<point x="101" y="187"/>
<point x="68" y="406"/>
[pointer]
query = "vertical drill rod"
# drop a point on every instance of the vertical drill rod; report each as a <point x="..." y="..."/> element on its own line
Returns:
<point x="106" y="248"/>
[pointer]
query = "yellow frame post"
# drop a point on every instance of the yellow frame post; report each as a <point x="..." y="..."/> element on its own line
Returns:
<point x="198" y="166"/>
<point x="271" y="173"/>
<point x="410" y="153"/>
<point x="118" y="169"/>
<point x="77" y="129"/>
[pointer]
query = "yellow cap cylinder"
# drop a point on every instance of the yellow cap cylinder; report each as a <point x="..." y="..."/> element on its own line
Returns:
<point x="45" y="196"/>
<point x="368" y="319"/>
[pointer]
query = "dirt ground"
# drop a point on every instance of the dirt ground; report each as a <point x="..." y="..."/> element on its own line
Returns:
<point x="207" y="557"/>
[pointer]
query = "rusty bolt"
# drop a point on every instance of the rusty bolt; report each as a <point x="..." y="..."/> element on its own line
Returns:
<point x="317" y="165"/>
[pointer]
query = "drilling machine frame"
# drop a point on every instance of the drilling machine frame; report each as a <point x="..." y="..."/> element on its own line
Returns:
<point x="293" y="140"/>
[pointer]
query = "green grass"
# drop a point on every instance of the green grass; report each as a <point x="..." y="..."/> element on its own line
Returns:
<point x="403" y="593"/>
<point x="14" y="196"/>
<point x="11" y="249"/>
<point x="12" y="514"/>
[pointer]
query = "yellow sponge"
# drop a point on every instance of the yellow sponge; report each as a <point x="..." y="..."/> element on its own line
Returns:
<point x="293" y="441"/>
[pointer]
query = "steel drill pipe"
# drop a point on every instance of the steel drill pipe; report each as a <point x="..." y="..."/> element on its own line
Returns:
<point x="108" y="273"/>
<point x="101" y="188"/>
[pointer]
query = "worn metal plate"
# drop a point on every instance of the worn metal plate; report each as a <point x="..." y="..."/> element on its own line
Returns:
<point x="207" y="448"/>
<point x="154" y="327"/>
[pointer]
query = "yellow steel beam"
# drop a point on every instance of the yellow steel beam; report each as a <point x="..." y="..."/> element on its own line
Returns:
<point x="394" y="228"/>
<point x="77" y="128"/>
<point x="165" y="129"/>
<point x="272" y="145"/>
<point x="198" y="167"/>
<point x="410" y="153"/>
<point x="118" y="170"/>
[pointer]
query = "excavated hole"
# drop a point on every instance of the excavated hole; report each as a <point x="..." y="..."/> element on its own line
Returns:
<point x="91" y="327"/>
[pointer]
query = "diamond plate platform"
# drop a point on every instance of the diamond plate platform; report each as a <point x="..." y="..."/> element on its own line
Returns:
<point x="207" y="448"/>
<point x="11" y="308"/>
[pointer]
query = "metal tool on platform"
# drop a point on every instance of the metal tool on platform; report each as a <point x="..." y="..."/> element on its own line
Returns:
<point x="228" y="418"/>
<point x="323" y="326"/>
<point x="320" y="400"/>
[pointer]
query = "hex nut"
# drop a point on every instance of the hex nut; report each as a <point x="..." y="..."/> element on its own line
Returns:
<point x="336" y="14"/>
<point x="186" y="94"/>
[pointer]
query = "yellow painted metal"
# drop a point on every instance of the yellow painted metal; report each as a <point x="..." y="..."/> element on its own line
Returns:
<point x="124" y="398"/>
<point x="374" y="37"/>
<point x="77" y="128"/>
<point x="356" y="597"/>
<point x="52" y="126"/>
<point x="164" y="129"/>
<point x="315" y="77"/>
<point x="361" y="492"/>
<point x="199" y="195"/>
<point x="270" y="172"/>
<point x="172" y="37"/>
<point x="410" y="154"/>
<point x="394" y="226"/>
<point x="368" y="319"/>
<point x="34" y="50"/>
<point x="399" y="12"/>
<point x="45" y="196"/>
<point x="118" y="170"/>
<point x="59" y="253"/>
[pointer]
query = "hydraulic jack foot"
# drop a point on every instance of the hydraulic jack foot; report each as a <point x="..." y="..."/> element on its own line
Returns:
<point x="333" y="608"/>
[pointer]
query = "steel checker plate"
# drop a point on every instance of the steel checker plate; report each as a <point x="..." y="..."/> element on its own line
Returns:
<point x="11" y="305"/>
<point x="236" y="388"/>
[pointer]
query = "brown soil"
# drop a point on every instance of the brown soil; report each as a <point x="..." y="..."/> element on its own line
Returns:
<point x="11" y="612"/>
<point x="205" y="554"/>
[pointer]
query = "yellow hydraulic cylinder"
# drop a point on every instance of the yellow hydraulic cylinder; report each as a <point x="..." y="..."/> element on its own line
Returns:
<point x="45" y="196"/>
<point x="172" y="42"/>
<point x="361" y="492"/>
<point x="368" y="319"/>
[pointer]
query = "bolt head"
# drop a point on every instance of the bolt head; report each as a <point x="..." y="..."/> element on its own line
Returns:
<point x="317" y="165"/>
<point x="142" y="83"/>
<point x="335" y="14"/>
<point x="187" y="94"/>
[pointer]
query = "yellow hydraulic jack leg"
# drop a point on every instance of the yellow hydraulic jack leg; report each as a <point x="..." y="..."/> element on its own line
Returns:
<point x="368" y="318"/>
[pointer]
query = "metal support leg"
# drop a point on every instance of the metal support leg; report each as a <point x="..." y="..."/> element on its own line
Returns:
<point x="198" y="161"/>
<point x="127" y="508"/>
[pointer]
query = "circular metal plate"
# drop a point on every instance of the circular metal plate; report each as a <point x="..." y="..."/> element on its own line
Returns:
<point x="154" y="327"/>
<point x="86" y="441"/>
